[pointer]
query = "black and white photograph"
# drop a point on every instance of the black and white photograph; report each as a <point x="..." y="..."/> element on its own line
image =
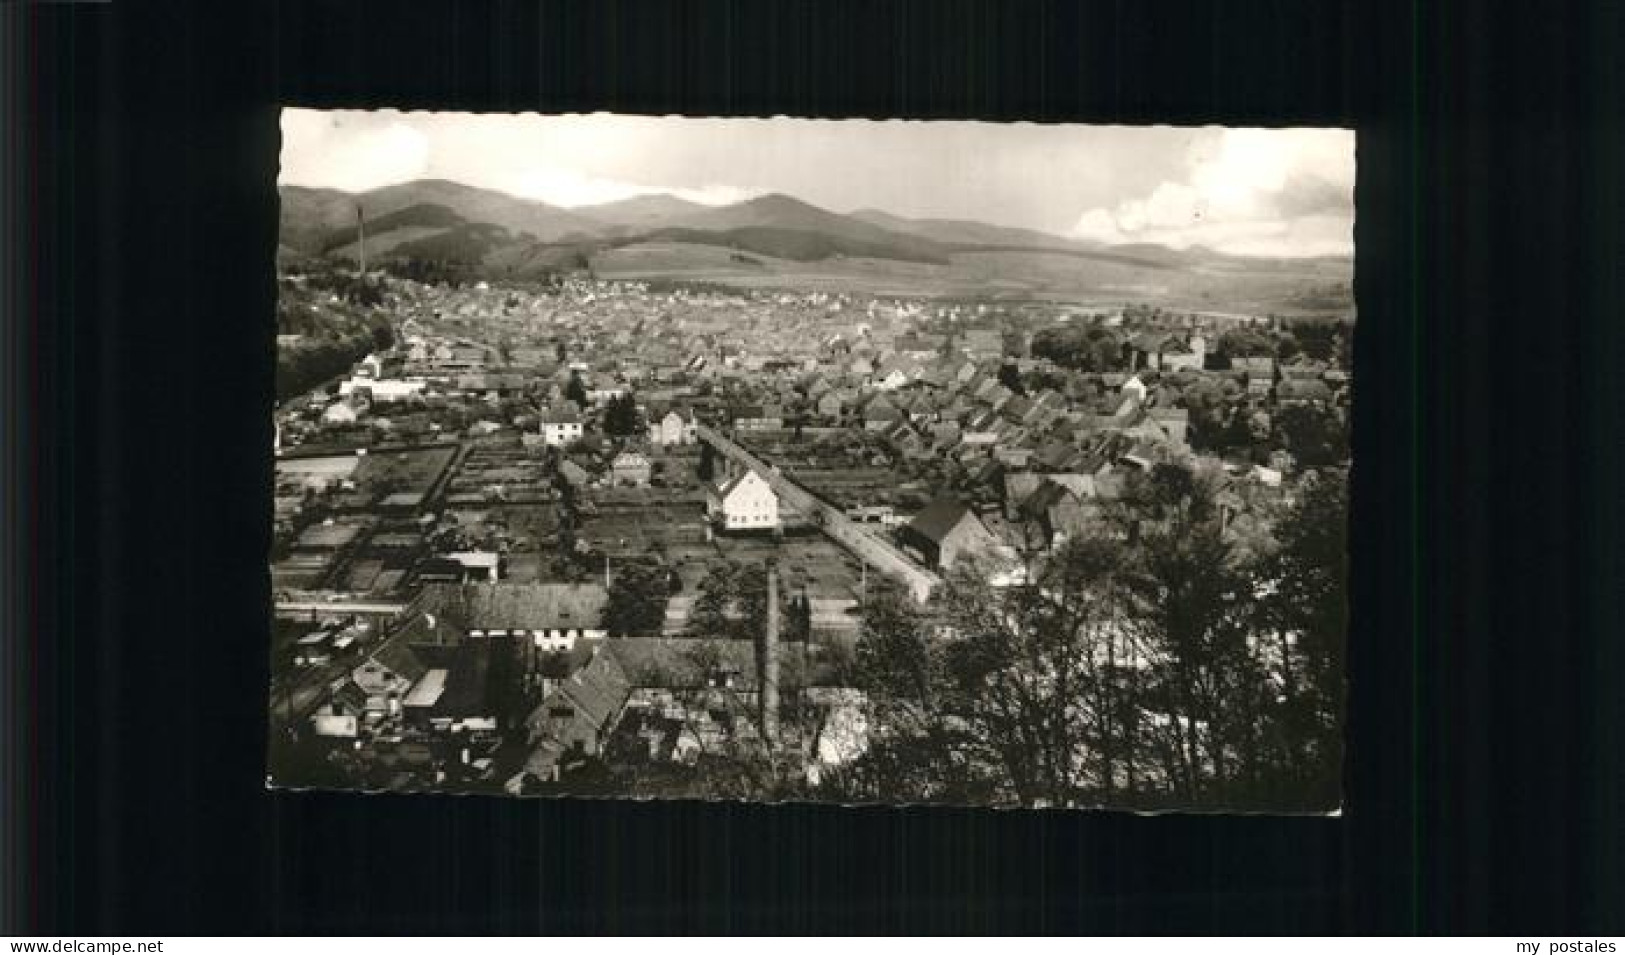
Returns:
<point x="856" y="462"/>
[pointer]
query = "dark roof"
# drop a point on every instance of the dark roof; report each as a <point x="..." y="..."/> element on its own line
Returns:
<point x="878" y="411"/>
<point x="1046" y="497"/>
<point x="468" y="685"/>
<point x="508" y="606"/>
<point x="559" y="664"/>
<point x="939" y="518"/>
<point x="1020" y="486"/>
<point x="725" y="488"/>
<point x="595" y="692"/>
<point x="400" y="655"/>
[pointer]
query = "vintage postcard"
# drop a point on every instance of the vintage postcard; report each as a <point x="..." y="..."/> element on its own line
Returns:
<point x="907" y="463"/>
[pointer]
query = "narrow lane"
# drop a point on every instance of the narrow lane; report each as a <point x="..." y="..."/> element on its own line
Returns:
<point x="868" y="547"/>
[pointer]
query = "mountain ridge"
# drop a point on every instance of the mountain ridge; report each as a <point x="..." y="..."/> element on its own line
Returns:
<point x="490" y="232"/>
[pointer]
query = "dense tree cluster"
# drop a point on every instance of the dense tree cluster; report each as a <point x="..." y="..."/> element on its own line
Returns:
<point x="1162" y="666"/>
<point x="732" y="604"/>
<point x="1091" y="348"/>
<point x="429" y="271"/>
<point x="575" y="390"/>
<point x="707" y="468"/>
<point x="637" y="599"/>
<point x="621" y="416"/>
<point x="1323" y="341"/>
<point x="332" y="336"/>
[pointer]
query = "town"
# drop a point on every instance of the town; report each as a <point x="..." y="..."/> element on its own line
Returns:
<point x="609" y="537"/>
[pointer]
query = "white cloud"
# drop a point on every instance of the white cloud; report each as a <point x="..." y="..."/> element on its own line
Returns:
<point x="571" y="188"/>
<point x="1248" y="192"/>
<point x="356" y="152"/>
<point x="317" y="146"/>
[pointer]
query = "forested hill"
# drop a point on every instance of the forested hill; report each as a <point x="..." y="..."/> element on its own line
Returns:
<point x="326" y="322"/>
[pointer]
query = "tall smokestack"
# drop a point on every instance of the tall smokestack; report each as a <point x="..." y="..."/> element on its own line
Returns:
<point x="770" y="657"/>
<point x="361" y="235"/>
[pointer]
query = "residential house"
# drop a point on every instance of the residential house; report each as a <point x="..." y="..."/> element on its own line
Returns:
<point x="1188" y="355"/>
<point x="948" y="531"/>
<point x="549" y="616"/>
<point x="1060" y="512"/>
<point x="759" y="418"/>
<point x="745" y="503"/>
<point x="891" y="376"/>
<point x="561" y="425"/>
<point x="383" y="390"/>
<point x="1259" y="371"/>
<point x="339" y="412"/>
<point x="1173" y="423"/>
<point x="463" y="567"/>
<point x="576" y="717"/>
<point x="630" y="467"/>
<point x="1018" y="486"/>
<point x="830" y="404"/>
<point x="672" y="430"/>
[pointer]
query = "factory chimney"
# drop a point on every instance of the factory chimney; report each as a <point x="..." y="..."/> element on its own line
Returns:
<point x="361" y="236"/>
<point x="770" y="658"/>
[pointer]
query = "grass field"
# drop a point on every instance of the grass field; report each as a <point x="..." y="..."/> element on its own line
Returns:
<point x="1282" y="286"/>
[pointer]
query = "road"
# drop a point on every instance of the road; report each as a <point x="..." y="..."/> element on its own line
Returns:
<point x="869" y="547"/>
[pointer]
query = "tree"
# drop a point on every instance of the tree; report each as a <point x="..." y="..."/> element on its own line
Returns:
<point x="1305" y="611"/>
<point x="1010" y="377"/>
<point x="1210" y="401"/>
<point x="706" y="469"/>
<point x="621" y="416"/>
<point x="731" y="604"/>
<point x="1203" y="677"/>
<point x="1130" y="672"/>
<point x="1014" y="695"/>
<point x="637" y="600"/>
<point x="917" y="751"/>
<point x="1090" y="349"/>
<point x="1246" y="343"/>
<point x="1316" y="340"/>
<point x="575" y="390"/>
<point x="1314" y="434"/>
<point x="716" y="722"/>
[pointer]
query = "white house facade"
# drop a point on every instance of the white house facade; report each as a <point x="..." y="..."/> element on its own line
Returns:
<point x="745" y="503"/>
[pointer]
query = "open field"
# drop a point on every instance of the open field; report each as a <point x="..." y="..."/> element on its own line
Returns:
<point x="1283" y="286"/>
<point x="411" y="471"/>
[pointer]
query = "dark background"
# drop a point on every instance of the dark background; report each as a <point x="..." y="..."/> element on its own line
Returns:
<point x="1484" y="779"/>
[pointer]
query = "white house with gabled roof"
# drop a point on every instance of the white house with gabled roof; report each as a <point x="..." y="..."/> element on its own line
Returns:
<point x="746" y="502"/>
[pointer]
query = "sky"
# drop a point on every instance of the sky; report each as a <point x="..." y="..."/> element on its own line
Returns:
<point x="1278" y="192"/>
